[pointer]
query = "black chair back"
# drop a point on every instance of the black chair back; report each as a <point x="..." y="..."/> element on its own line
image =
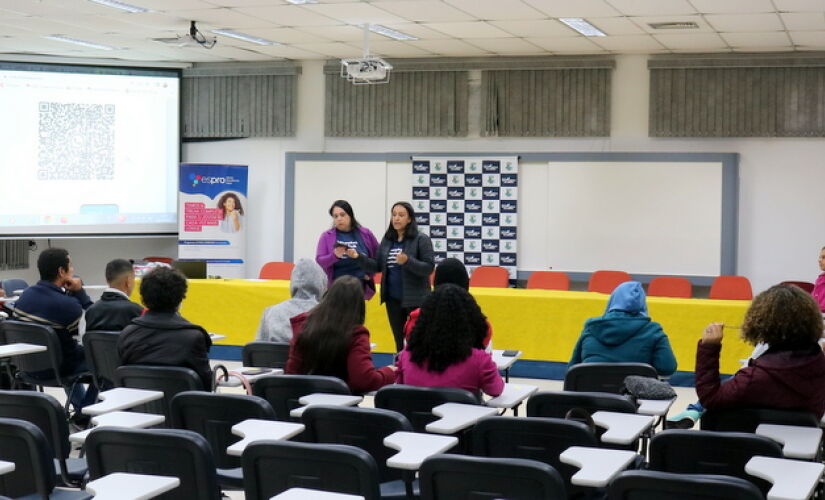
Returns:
<point x="265" y="354"/>
<point x="655" y="485"/>
<point x="50" y="359"/>
<point x="416" y="403"/>
<point x="535" y="438"/>
<point x="100" y="348"/>
<point x="44" y="411"/>
<point x="364" y="428"/>
<point x="556" y="404"/>
<point x="706" y="452"/>
<point x="25" y="445"/>
<point x="169" y="379"/>
<point x="283" y="391"/>
<point x="455" y="476"/>
<point x="213" y="415"/>
<point x="275" y="466"/>
<point x="164" y="452"/>
<point x="12" y="285"/>
<point x="748" y="419"/>
<point x="604" y="377"/>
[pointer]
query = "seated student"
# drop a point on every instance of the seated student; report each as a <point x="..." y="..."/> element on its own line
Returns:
<point x="58" y="301"/>
<point x="161" y="336"/>
<point x="307" y="284"/>
<point x="625" y="334"/>
<point x="114" y="310"/>
<point x="450" y="271"/>
<point x="331" y="339"/>
<point x="819" y="287"/>
<point x="789" y="375"/>
<point x="442" y="349"/>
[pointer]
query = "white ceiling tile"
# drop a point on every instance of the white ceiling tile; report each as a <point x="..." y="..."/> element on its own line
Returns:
<point x="31" y="8"/>
<point x="223" y="18"/>
<point x="245" y="3"/>
<point x="497" y="10"/>
<point x="748" y="23"/>
<point x="451" y="48"/>
<point x="288" y="15"/>
<point x="573" y="44"/>
<point x="355" y="13"/>
<point x="645" y="21"/>
<point x="799" y="5"/>
<point x="289" y="52"/>
<point x="808" y="39"/>
<point x="152" y="20"/>
<point x="758" y="40"/>
<point x="171" y="5"/>
<point x="574" y="8"/>
<point x="616" y="25"/>
<point x="331" y="49"/>
<point x="417" y="30"/>
<point x="425" y="11"/>
<point x="398" y="49"/>
<point x="477" y="29"/>
<point x="339" y="33"/>
<point x="804" y="21"/>
<point x="507" y="46"/>
<point x="286" y="35"/>
<point x="538" y="28"/>
<point x="697" y="42"/>
<point x="733" y="6"/>
<point x="652" y="7"/>
<point x="628" y="43"/>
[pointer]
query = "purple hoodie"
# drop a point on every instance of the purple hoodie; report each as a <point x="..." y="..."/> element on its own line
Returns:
<point x="325" y="254"/>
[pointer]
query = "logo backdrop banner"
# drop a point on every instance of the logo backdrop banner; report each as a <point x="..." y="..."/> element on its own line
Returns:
<point x="212" y="217"/>
<point x="469" y="207"/>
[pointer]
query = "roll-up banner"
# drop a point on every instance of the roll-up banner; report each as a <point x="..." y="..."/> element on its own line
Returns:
<point x="212" y="217"/>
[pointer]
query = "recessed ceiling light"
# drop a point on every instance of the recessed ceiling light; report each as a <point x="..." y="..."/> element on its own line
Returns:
<point x="76" y="41"/>
<point x="582" y="26"/>
<point x="245" y="37"/>
<point x="679" y="25"/>
<point x="301" y="2"/>
<point x="395" y="35"/>
<point x="134" y="9"/>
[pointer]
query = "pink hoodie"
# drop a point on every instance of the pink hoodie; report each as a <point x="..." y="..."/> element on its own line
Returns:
<point x="476" y="373"/>
<point x="819" y="292"/>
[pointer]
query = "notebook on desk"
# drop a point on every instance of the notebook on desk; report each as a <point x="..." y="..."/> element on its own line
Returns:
<point x="192" y="269"/>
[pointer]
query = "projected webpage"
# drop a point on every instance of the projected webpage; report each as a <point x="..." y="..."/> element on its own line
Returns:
<point x="88" y="153"/>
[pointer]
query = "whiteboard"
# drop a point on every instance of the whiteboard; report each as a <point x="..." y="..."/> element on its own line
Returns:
<point x="646" y="218"/>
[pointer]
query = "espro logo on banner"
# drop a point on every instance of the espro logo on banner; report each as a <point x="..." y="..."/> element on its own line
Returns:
<point x="211" y="179"/>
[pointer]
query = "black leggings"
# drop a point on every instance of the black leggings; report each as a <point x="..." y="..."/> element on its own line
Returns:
<point x="398" y="318"/>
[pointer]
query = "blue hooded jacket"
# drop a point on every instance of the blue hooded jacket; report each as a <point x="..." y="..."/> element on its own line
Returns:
<point x="625" y="334"/>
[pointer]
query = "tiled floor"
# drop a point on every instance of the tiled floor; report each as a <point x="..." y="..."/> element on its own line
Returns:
<point x="685" y="395"/>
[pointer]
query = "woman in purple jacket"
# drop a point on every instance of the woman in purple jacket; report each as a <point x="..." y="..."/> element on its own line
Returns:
<point x="341" y="249"/>
<point x="789" y="375"/>
<point x="440" y="351"/>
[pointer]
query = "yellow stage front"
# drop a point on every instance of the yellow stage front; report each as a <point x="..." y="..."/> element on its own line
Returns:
<point x="543" y="324"/>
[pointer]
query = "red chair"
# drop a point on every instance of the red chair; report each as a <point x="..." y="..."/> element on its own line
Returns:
<point x="549" y="280"/>
<point x="490" y="277"/>
<point x="606" y="281"/>
<point x="805" y="285"/>
<point x="731" y="288"/>
<point x="165" y="260"/>
<point x="377" y="278"/>
<point x="670" y="286"/>
<point x="276" y="271"/>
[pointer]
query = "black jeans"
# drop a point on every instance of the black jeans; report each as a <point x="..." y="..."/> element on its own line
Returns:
<point x="398" y="318"/>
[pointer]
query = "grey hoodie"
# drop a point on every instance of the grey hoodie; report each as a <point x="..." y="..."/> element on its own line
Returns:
<point x="307" y="284"/>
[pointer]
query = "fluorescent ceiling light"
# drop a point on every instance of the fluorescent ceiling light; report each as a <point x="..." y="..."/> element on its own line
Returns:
<point x="245" y="37"/>
<point x="582" y="26"/>
<point x="301" y="2"/>
<point x="134" y="9"/>
<point x="395" y="35"/>
<point x="84" y="43"/>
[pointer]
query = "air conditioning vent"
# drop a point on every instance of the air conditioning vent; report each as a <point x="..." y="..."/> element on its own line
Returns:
<point x="674" y="26"/>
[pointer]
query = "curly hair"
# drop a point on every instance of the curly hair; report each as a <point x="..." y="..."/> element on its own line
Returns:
<point x="325" y="339"/>
<point x="449" y="326"/>
<point x="785" y="317"/>
<point x="163" y="289"/>
<point x="234" y="196"/>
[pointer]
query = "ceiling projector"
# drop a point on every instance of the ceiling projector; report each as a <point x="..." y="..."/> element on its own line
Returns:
<point x="366" y="70"/>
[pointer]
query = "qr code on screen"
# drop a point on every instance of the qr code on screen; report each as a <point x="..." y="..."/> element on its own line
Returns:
<point x="77" y="141"/>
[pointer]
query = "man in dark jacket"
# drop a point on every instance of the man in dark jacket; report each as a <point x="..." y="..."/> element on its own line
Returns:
<point x="58" y="301"/>
<point x="161" y="336"/>
<point x="114" y="310"/>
